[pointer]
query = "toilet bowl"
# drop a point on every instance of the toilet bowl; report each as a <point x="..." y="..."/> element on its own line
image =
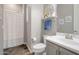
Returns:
<point x="39" y="47"/>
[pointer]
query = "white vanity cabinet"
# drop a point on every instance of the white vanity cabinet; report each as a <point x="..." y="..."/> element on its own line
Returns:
<point x="63" y="51"/>
<point x="53" y="49"/>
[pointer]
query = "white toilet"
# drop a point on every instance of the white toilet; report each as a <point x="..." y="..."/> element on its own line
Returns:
<point x="39" y="47"/>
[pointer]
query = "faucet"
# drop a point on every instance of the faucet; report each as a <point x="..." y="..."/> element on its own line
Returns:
<point x="68" y="36"/>
<point x="75" y="32"/>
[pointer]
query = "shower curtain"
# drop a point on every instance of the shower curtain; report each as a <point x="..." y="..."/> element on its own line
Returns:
<point x="13" y="20"/>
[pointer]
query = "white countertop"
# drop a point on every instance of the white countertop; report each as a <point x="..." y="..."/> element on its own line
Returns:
<point x="66" y="43"/>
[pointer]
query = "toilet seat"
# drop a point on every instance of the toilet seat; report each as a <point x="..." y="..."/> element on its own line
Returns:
<point x="40" y="47"/>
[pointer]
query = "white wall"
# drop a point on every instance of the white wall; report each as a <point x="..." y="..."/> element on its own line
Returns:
<point x="27" y="27"/>
<point x="36" y="17"/>
<point x="1" y="30"/>
<point x="76" y="17"/>
<point x="33" y="23"/>
<point x="13" y="25"/>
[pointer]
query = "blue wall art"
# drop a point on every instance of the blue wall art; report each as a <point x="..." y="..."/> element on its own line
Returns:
<point x="47" y="24"/>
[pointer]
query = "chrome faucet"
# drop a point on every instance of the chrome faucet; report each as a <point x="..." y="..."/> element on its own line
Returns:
<point x="75" y="32"/>
<point x="68" y="36"/>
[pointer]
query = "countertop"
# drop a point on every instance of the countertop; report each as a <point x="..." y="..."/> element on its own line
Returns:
<point x="66" y="43"/>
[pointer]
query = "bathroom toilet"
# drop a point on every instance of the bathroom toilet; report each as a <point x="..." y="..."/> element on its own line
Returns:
<point x="39" y="47"/>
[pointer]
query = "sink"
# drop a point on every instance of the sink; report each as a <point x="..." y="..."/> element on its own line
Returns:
<point x="63" y="38"/>
<point x="76" y="40"/>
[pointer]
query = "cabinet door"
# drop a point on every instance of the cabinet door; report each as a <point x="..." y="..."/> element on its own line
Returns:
<point x="51" y="48"/>
<point x="65" y="52"/>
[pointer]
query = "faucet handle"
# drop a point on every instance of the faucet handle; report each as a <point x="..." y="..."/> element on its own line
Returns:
<point x="68" y="36"/>
<point x="75" y="32"/>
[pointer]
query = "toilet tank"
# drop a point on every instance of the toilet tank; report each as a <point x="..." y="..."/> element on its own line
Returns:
<point x="34" y="40"/>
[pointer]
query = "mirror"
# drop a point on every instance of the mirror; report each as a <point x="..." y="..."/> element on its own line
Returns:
<point x="65" y="18"/>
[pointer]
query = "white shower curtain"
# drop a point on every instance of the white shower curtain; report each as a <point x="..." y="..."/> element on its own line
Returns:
<point x="13" y="25"/>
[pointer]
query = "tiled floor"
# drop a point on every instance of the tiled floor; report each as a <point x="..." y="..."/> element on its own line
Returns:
<point x="19" y="50"/>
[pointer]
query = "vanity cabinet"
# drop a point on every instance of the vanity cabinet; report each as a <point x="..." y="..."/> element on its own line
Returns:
<point x="53" y="49"/>
<point x="63" y="51"/>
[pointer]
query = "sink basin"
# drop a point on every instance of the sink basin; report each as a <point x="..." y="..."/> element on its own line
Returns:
<point x="76" y="40"/>
<point x="63" y="38"/>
